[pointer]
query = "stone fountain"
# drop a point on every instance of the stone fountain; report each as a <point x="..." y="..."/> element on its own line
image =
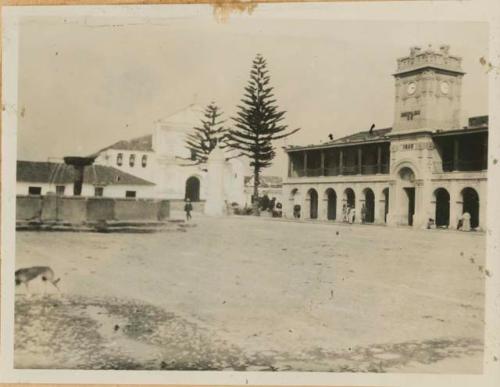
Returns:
<point x="79" y="163"/>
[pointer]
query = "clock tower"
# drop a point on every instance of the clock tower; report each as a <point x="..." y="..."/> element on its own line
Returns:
<point x="428" y="90"/>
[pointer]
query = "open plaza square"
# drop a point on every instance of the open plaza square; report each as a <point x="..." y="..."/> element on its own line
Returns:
<point x="255" y="294"/>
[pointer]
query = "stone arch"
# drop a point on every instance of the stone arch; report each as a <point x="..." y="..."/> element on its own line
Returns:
<point x="192" y="191"/>
<point x="470" y="200"/>
<point x="369" y="205"/>
<point x="312" y="198"/>
<point x="442" y="213"/>
<point x="405" y="163"/>
<point x="331" y="198"/>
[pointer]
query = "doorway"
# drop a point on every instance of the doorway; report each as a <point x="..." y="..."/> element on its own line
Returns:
<point x="410" y="194"/>
<point x="442" y="207"/>
<point x="470" y="200"/>
<point x="193" y="189"/>
<point x="313" y="203"/>
<point x="332" y="204"/>
<point x="369" y="206"/>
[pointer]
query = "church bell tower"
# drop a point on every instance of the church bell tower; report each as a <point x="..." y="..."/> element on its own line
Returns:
<point x="428" y="91"/>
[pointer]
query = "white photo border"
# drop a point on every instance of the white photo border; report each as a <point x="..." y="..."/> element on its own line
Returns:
<point x="472" y="10"/>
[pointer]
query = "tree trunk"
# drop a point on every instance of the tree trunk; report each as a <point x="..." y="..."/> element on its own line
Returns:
<point x="256" y="183"/>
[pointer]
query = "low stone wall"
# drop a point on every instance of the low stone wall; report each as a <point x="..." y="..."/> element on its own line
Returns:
<point x="127" y="209"/>
<point x="28" y="207"/>
<point x="73" y="210"/>
<point x="178" y="205"/>
<point x="70" y="209"/>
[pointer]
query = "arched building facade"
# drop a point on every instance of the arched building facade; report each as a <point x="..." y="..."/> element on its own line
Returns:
<point x="426" y="169"/>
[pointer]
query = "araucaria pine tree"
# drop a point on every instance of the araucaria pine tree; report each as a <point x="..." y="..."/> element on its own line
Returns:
<point x="258" y="123"/>
<point x="204" y="138"/>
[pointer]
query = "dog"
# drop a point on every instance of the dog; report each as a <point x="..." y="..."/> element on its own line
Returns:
<point x="24" y="276"/>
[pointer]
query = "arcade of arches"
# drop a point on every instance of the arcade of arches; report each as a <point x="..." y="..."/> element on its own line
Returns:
<point x="329" y="202"/>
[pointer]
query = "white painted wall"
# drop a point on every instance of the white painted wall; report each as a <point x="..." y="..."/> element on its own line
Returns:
<point x="110" y="191"/>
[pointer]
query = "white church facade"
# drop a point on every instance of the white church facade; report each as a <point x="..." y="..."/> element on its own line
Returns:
<point x="163" y="159"/>
<point x="426" y="169"/>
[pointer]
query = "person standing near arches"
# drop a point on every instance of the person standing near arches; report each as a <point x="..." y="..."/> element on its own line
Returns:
<point x="363" y="213"/>
<point x="344" y="213"/>
<point x="188" y="207"/>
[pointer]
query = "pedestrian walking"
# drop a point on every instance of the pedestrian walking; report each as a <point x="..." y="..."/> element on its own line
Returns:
<point x="188" y="207"/>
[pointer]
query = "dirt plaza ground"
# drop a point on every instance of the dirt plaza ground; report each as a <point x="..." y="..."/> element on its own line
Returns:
<point x="242" y="293"/>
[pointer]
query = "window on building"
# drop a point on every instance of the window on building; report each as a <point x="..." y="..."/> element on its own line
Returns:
<point x="119" y="159"/>
<point x="98" y="191"/>
<point x="144" y="160"/>
<point x="34" y="190"/>
<point x="60" y="190"/>
<point x="131" y="160"/>
<point x="130" y="194"/>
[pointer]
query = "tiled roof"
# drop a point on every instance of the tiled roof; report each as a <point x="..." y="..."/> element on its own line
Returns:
<point x="363" y="136"/>
<point x="265" y="181"/>
<point x="376" y="134"/>
<point x="59" y="173"/>
<point x="141" y="144"/>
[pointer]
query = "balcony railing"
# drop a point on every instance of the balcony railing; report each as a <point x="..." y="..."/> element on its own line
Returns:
<point x="460" y="166"/>
<point x="332" y="171"/>
<point x="366" y="169"/>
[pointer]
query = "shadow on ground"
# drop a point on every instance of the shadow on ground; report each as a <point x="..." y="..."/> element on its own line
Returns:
<point x="74" y="332"/>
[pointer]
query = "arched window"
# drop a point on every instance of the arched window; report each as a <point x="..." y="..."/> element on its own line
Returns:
<point x="407" y="174"/>
<point x="119" y="159"/>
<point x="131" y="160"/>
<point x="144" y="161"/>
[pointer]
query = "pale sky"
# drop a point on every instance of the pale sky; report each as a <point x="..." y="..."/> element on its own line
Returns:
<point x="86" y="83"/>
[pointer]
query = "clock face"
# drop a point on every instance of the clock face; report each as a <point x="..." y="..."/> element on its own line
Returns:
<point x="412" y="86"/>
<point x="445" y="87"/>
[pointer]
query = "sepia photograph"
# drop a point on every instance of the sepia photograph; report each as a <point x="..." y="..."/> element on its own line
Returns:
<point x="208" y="191"/>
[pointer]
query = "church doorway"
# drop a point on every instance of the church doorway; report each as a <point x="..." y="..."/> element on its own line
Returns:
<point x="470" y="200"/>
<point x="313" y="203"/>
<point x="193" y="189"/>
<point x="369" y="205"/>
<point x="442" y="198"/>
<point x="332" y="204"/>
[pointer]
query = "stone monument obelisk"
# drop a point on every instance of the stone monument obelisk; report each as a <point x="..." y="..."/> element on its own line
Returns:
<point x="215" y="204"/>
